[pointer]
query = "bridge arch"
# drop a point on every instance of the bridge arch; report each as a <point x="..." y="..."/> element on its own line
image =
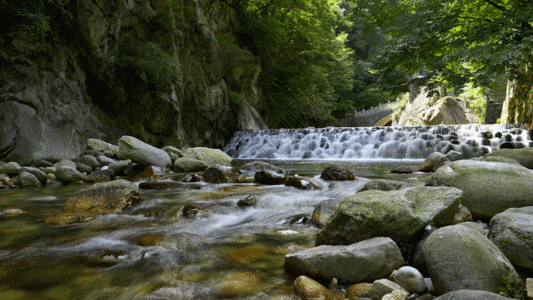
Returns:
<point x="385" y="121"/>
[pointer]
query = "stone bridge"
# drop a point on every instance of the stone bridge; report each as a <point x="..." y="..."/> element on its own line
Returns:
<point x="380" y="115"/>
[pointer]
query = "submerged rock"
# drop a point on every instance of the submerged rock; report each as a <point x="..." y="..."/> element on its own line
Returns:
<point x="364" y="261"/>
<point x="397" y="214"/>
<point x="308" y="289"/>
<point x="337" y="173"/>
<point x="458" y="257"/>
<point x="100" y="198"/>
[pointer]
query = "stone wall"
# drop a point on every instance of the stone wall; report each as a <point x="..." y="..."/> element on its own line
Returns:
<point x="80" y="81"/>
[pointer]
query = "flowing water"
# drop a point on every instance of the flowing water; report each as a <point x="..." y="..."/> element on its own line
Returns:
<point x="152" y="251"/>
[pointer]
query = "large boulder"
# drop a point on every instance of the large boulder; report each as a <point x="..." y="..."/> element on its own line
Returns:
<point x="208" y="155"/>
<point x="69" y="175"/>
<point x="488" y="187"/>
<point x="424" y="110"/>
<point x="512" y="232"/>
<point x="397" y="214"/>
<point x="524" y="156"/>
<point x="100" y="198"/>
<point x="363" y="261"/>
<point x="458" y="257"/>
<point x="141" y="153"/>
<point x="471" y="295"/>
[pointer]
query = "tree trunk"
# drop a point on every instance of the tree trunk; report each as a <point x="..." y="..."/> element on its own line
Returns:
<point x="518" y="105"/>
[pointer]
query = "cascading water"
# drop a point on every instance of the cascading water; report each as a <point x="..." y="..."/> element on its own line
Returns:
<point x="351" y="143"/>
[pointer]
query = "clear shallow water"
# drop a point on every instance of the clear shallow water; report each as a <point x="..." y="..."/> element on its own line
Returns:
<point x="152" y="251"/>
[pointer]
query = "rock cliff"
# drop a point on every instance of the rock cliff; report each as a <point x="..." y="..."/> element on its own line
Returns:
<point x="166" y="72"/>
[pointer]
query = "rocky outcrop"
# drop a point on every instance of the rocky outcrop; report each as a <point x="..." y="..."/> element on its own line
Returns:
<point x="143" y="68"/>
<point x="425" y="111"/>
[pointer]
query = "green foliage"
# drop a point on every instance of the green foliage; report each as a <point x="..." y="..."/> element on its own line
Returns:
<point x="503" y="285"/>
<point x="32" y="17"/>
<point x="147" y="59"/>
<point x="476" y="99"/>
<point x="404" y="99"/>
<point x="306" y="67"/>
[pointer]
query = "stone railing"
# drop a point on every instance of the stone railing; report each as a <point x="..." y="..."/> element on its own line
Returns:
<point x="369" y="117"/>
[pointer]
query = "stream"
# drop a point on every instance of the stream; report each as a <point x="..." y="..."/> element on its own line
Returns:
<point x="152" y="251"/>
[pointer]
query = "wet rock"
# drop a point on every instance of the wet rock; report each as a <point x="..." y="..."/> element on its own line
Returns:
<point x="191" y="211"/>
<point x="120" y="166"/>
<point x="324" y="211"/>
<point x="364" y="261"/>
<point x="433" y="162"/>
<point x="298" y="219"/>
<point x="11" y="168"/>
<point x="488" y="187"/>
<point x="359" y="290"/>
<point x="208" y="156"/>
<point x="529" y="288"/>
<point x="141" y="172"/>
<point x="184" y="164"/>
<point x="69" y="175"/>
<point x="104" y="160"/>
<point x="99" y="145"/>
<point x="149" y="240"/>
<point x="239" y="283"/>
<point x="383" y="185"/>
<point x="337" y="173"/>
<point x="410" y="279"/>
<point x="512" y="232"/>
<point x="193" y="178"/>
<point x="458" y="258"/>
<point x="40" y="175"/>
<point x="242" y="179"/>
<point x="309" y="289"/>
<point x="471" y="295"/>
<point x="42" y="163"/>
<point x="397" y="214"/>
<point x="454" y="155"/>
<point x="84" y="168"/>
<point x="382" y="287"/>
<point x="396" y="295"/>
<point x="256" y="166"/>
<point x="141" y="153"/>
<point x="215" y="175"/>
<point x="65" y="163"/>
<point x="100" y="198"/>
<point x="500" y="159"/>
<point x="463" y="215"/>
<point x="28" y="180"/>
<point x="269" y="177"/>
<point x="299" y="183"/>
<point x="102" y="175"/>
<point x="11" y="212"/>
<point x="251" y="200"/>
<point x="171" y="149"/>
<point x="161" y="185"/>
<point x="524" y="156"/>
<point x="88" y="160"/>
<point x="402" y="170"/>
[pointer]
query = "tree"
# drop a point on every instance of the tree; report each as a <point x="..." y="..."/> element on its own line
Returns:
<point x="458" y="41"/>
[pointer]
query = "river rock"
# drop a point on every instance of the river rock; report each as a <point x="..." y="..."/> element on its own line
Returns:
<point x="471" y="295"/>
<point x="397" y="214"/>
<point x="104" y="160"/>
<point x="251" y="200"/>
<point x="100" y="198"/>
<point x="40" y="175"/>
<point x="65" y="163"/>
<point x="269" y="177"/>
<point x="69" y="175"/>
<point x="99" y="145"/>
<point x="382" y="287"/>
<point x="433" y="162"/>
<point x="488" y="187"/>
<point x="383" y="185"/>
<point x="88" y="160"/>
<point x="524" y="156"/>
<point x="11" y="168"/>
<point x="102" y="175"/>
<point x="255" y="166"/>
<point x="300" y="183"/>
<point x="141" y="153"/>
<point x="512" y="232"/>
<point x="402" y="170"/>
<point x="171" y="149"/>
<point x="359" y="290"/>
<point x="500" y="159"/>
<point x="215" y="174"/>
<point x="83" y="168"/>
<point x="309" y="289"/>
<point x="458" y="257"/>
<point x="367" y="260"/>
<point x="337" y="173"/>
<point x="463" y="215"/>
<point x="120" y="166"/>
<point x="42" y="163"/>
<point x="324" y="211"/>
<point x="410" y="279"/>
<point x="28" y="180"/>
<point x="208" y="155"/>
<point x="184" y="164"/>
<point x="396" y="295"/>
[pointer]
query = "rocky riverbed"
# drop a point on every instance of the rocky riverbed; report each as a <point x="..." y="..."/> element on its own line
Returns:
<point x="131" y="221"/>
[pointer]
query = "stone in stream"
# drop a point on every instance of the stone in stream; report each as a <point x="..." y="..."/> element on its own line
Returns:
<point x="104" y="160"/>
<point x="142" y="153"/>
<point x="184" y="164"/>
<point x="256" y="166"/>
<point x="98" y="199"/>
<point x="28" y="180"/>
<point x="83" y="168"/>
<point x="367" y="260"/>
<point x="208" y="155"/>
<point x="324" y="211"/>
<point x="463" y="215"/>
<point x="299" y="183"/>
<point x="40" y="175"/>
<point x="433" y="162"/>
<point x="400" y="214"/>
<point x="69" y="175"/>
<point x="402" y="170"/>
<point x="215" y="174"/>
<point x="11" y="168"/>
<point x="336" y="173"/>
<point x="65" y="163"/>
<point x="102" y="175"/>
<point x="308" y="288"/>
<point x="410" y="279"/>
<point x="269" y="177"/>
<point x="458" y="257"/>
<point x="382" y="287"/>
<point x="88" y="160"/>
<point x="120" y="166"/>
<point x="171" y="149"/>
<point x="99" y="145"/>
<point x="251" y="200"/>
<point x="523" y="156"/>
<point x="471" y="295"/>
<point x="512" y="232"/>
<point x="488" y="187"/>
<point x="383" y="185"/>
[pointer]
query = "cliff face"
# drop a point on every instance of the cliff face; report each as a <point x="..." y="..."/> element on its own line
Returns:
<point x="167" y="72"/>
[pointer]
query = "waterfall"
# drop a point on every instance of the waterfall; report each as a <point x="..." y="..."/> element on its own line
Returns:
<point x="352" y="143"/>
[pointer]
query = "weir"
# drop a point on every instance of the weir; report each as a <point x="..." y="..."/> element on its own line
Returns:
<point x="356" y="143"/>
